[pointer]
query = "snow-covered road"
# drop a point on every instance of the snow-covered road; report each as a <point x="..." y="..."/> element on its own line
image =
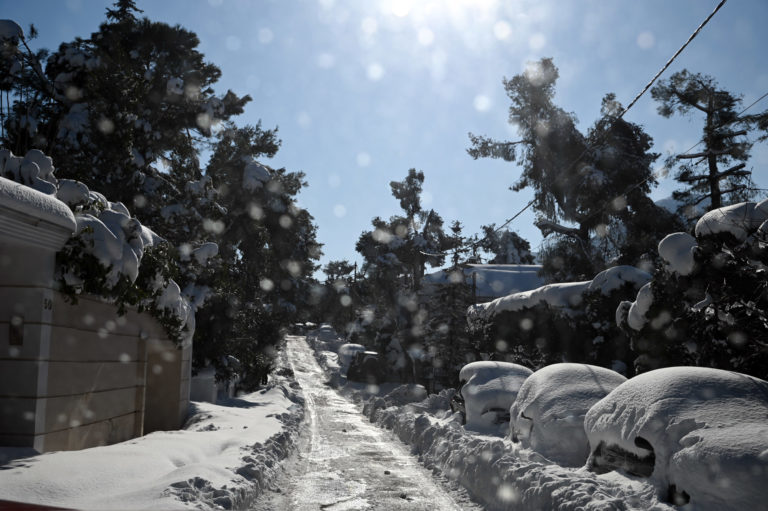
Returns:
<point x="345" y="462"/>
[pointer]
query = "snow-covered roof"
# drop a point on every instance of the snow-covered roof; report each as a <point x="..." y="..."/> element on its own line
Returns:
<point x="562" y="295"/>
<point x="707" y="429"/>
<point x="494" y="280"/>
<point x="548" y="414"/>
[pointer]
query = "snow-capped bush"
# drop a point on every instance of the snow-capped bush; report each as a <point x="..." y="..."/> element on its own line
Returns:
<point x="707" y="302"/>
<point x="571" y="321"/>
<point x="698" y="433"/>
<point x="548" y="413"/>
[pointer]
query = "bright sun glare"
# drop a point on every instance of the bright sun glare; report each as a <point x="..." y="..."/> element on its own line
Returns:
<point x="403" y="8"/>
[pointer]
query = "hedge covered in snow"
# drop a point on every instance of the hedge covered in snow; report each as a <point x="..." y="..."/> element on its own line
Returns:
<point x="571" y="321"/>
<point x="707" y="304"/>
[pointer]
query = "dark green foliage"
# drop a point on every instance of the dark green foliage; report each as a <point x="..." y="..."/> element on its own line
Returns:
<point x="543" y="335"/>
<point x="714" y="317"/>
<point x="507" y="247"/>
<point x="129" y="111"/>
<point x="714" y="173"/>
<point x="599" y="181"/>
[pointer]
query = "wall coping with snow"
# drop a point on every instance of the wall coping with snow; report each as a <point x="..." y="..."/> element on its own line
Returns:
<point x="33" y="218"/>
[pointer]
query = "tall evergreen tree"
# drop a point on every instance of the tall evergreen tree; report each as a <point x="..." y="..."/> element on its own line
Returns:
<point x="723" y="178"/>
<point x="594" y="181"/>
<point x="507" y="246"/>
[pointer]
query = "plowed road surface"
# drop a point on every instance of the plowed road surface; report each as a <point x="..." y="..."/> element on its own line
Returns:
<point x="345" y="462"/>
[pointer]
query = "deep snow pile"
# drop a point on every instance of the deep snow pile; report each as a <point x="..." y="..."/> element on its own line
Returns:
<point x="225" y="457"/>
<point x="703" y="430"/>
<point x="548" y="414"/>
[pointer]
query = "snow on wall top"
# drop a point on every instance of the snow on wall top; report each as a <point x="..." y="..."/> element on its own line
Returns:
<point x="707" y="428"/>
<point x="28" y="201"/>
<point x="548" y="413"/>
<point x="740" y="220"/>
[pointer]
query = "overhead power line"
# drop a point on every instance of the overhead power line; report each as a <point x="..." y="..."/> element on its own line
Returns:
<point x="621" y="115"/>
<point x="678" y="52"/>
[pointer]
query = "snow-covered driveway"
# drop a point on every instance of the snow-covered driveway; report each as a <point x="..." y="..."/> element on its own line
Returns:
<point x="345" y="462"/>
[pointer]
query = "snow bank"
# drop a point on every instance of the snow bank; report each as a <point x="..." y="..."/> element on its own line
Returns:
<point x="500" y="474"/>
<point x="548" y="413"/>
<point x="224" y="458"/>
<point x="676" y="250"/>
<point x="739" y="220"/>
<point x="703" y="430"/>
<point x="489" y="386"/>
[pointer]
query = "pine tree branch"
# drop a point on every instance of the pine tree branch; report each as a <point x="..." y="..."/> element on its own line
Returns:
<point x="703" y="155"/>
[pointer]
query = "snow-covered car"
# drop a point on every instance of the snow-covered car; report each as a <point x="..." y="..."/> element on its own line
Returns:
<point x="346" y="354"/>
<point x="365" y="367"/>
<point x="487" y="390"/>
<point x="699" y="434"/>
<point x="548" y="413"/>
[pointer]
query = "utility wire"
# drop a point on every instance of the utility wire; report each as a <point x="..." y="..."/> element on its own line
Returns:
<point x="678" y="52"/>
<point x="623" y="112"/>
<point x="632" y="103"/>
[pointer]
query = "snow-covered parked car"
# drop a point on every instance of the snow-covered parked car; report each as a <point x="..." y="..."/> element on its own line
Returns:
<point x="347" y="353"/>
<point x="699" y="434"/>
<point x="486" y="392"/>
<point x="548" y="413"/>
<point x="365" y="367"/>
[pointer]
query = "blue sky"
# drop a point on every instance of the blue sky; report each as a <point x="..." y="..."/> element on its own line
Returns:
<point x="364" y="90"/>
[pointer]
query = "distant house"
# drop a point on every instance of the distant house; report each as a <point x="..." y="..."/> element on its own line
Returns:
<point x="490" y="281"/>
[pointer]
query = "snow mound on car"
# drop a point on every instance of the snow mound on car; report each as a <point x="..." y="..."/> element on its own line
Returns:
<point x="548" y="414"/>
<point x="705" y="430"/>
<point x="490" y="385"/>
